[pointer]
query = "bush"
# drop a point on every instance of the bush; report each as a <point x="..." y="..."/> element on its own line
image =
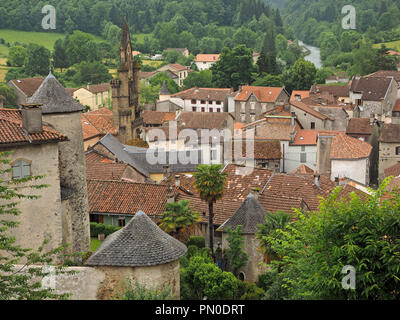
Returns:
<point x="99" y="228"/>
<point x="250" y="291"/>
<point x="197" y="241"/>
<point x="140" y="292"/>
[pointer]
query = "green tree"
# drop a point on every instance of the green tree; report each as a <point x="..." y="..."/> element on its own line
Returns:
<point x="360" y="231"/>
<point x="178" y="218"/>
<point x="300" y="76"/>
<point x="210" y="184"/>
<point x="9" y="94"/>
<point x="235" y="256"/>
<point x="17" y="56"/>
<point x="23" y="282"/>
<point x="139" y="291"/>
<point x="234" y="68"/>
<point x="268" y="80"/>
<point x="201" y="79"/>
<point x="37" y="61"/>
<point x="91" y="73"/>
<point x="267" y="61"/>
<point x="158" y="80"/>
<point x="202" y="278"/>
<point x="60" y="55"/>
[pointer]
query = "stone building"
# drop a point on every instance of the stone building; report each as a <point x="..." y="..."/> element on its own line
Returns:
<point x="389" y="148"/>
<point x="249" y="215"/>
<point x="252" y="102"/>
<point x="150" y="256"/>
<point x="125" y="92"/>
<point x="35" y="150"/>
<point x="63" y="113"/>
<point x="25" y="88"/>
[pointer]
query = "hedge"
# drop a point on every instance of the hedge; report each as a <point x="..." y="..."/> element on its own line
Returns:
<point x="197" y="241"/>
<point x="99" y="228"/>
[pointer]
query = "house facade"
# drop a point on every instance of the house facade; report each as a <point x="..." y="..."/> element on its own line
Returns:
<point x="205" y="61"/>
<point x="252" y="102"/>
<point x="180" y="71"/>
<point x="95" y="96"/>
<point x="389" y="148"/>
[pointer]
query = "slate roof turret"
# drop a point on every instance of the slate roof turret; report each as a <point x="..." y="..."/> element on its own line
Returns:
<point x="54" y="98"/>
<point x="140" y="243"/>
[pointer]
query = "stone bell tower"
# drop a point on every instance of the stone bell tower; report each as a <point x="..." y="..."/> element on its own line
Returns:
<point x="125" y="92"/>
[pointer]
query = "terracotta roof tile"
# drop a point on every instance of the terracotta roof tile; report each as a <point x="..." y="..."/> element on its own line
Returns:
<point x="386" y="73"/>
<point x="121" y="197"/>
<point x="263" y="150"/>
<point x="393" y="170"/>
<point x="98" y="122"/>
<point x="303" y="94"/>
<point x="96" y="88"/>
<point x="302" y="106"/>
<point x="28" y="85"/>
<point x="157" y="117"/>
<point x="372" y="88"/>
<point x="273" y="203"/>
<point x="390" y="133"/>
<point x="211" y="94"/>
<point x="11" y="131"/>
<point x="207" y="57"/>
<point x="336" y="91"/>
<point x="99" y="169"/>
<point x="303" y="169"/>
<point x="345" y="147"/>
<point x="263" y="94"/>
<point x="204" y="120"/>
<point x="359" y="126"/>
<point x="305" y="138"/>
<point x="396" y="107"/>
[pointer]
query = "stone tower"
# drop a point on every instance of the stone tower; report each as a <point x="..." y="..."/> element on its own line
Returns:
<point x="125" y="92"/>
<point x="63" y="113"/>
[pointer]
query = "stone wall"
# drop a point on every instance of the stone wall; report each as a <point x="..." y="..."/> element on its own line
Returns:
<point x="72" y="166"/>
<point x="387" y="157"/>
<point x="107" y="283"/>
<point x="41" y="218"/>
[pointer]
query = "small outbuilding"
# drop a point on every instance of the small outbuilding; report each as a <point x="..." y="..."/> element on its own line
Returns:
<point x="250" y="214"/>
<point x="141" y="252"/>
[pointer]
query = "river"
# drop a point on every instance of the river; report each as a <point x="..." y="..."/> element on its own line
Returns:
<point x="314" y="56"/>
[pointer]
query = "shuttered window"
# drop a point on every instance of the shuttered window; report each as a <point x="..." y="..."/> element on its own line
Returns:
<point x="21" y="169"/>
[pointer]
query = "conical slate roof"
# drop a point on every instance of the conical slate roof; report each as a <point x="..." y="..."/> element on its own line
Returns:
<point x="164" y="89"/>
<point x="140" y="243"/>
<point x="54" y="97"/>
<point x="249" y="215"/>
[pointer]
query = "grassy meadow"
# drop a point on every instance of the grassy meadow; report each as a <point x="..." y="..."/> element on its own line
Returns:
<point x="392" y="45"/>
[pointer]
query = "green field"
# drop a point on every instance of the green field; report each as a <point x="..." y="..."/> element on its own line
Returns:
<point x="392" y="45"/>
<point x="46" y="39"/>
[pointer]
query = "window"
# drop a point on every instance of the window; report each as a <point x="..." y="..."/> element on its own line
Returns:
<point x="194" y="109"/>
<point x="194" y="101"/>
<point x="218" y="102"/>
<point x="213" y="154"/>
<point x="203" y="101"/>
<point x="303" y="157"/>
<point x="121" y="222"/>
<point x="21" y="169"/>
<point x="312" y="125"/>
<point x="303" y="148"/>
<point x="211" y="110"/>
<point x="218" y="109"/>
<point x="398" y="151"/>
<point x="203" y="109"/>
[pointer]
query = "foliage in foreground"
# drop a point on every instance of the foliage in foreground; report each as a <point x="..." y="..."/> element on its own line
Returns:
<point x="138" y="291"/>
<point x="18" y="278"/>
<point x="235" y="256"/>
<point x="364" y="233"/>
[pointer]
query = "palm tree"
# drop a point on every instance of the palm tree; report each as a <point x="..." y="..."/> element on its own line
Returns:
<point x="210" y="183"/>
<point x="178" y="218"/>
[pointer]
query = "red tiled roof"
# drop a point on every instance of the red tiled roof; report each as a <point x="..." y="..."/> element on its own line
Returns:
<point x="303" y="169"/>
<point x="273" y="203"/>
<point x="302" y="106"/>
<point x="396" y="107"/>
<point x="210" y="94"/>
<point x="305" y="138"/>
<point x="345" y="147"/>
<point x="28" y="85"/>
<point x="393" y="170"/>
<point x="146" y="75"/>
<point x="101" y="168"/>
<point x="263" y="94"/>
<point x="303" y="94"/>
<point x="98" y="122"/>
<point x="206" y="57"/>
<point x="119" y="197"/>
<point x="372" y="88"/>
<point x="204" y="120"/>
<point x="359" y="126"/>
<point x="157" y="117"/>
<point x="300" y="186"/>
<point x="263" y="150"/>
<point x="386" y="73"/>
<point x="11" y="131"/>
<point x="97" y="88"/>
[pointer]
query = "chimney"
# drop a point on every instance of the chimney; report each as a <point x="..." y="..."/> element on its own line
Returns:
<point x="255" y="192"/>
<point x="170" y="195"/>
<point x="178" y="181"/>
<point x="317" y="180"/>
<point x="32" y="118"/>
<point x="1" y="102"/>
<point x="292" y="119"/>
